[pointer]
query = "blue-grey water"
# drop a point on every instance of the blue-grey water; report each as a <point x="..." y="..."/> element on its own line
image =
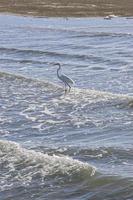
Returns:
<point x="77" y="146"/>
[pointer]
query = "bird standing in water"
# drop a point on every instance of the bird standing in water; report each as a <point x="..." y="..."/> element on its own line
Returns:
<point x="66" y="80"/>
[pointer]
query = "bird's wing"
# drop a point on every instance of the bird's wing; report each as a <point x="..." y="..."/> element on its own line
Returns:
<point x="66" y="79"/>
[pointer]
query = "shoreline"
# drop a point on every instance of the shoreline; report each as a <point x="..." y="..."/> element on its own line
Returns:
<point x="63" y="8"/>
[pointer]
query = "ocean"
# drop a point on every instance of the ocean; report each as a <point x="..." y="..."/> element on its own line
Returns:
<point x="74" y="146"/>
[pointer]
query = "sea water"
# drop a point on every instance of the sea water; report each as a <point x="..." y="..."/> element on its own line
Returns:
<point x="78" y="145"/>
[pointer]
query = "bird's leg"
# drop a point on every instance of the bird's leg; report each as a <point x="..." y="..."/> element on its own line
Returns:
<point x="65" y="88"/>
<point x="69" y="86"/>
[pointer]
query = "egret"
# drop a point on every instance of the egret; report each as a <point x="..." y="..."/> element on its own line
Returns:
<point x="66" y="80"/>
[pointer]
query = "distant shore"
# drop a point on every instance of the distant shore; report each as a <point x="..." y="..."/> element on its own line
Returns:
<point x="67" y="8"/>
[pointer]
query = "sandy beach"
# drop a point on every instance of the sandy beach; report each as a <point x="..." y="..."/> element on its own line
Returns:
<point x="58" y="8"/>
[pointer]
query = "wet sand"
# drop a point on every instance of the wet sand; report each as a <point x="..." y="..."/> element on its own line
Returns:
<point x="67" y="8"/>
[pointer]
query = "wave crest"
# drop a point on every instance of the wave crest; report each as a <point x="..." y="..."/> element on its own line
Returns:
<point x="24" y="165"/>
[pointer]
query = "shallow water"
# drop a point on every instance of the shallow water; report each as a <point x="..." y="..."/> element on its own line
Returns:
<point x="73" y="146"/>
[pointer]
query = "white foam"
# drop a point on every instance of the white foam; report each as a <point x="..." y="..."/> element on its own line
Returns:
<point x="36" y="163"/>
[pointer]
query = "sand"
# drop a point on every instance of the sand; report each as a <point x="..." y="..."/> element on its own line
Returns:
<point x="67" y="8"/>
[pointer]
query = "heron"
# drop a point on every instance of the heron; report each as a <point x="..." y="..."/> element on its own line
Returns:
<point x="65" y="79"/>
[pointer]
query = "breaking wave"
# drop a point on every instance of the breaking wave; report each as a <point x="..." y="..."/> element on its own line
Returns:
<point x="25" y="165"/>
<point x="75" y="91"/>
<point x="22" y="168"/>
<point x="45" y="104"/>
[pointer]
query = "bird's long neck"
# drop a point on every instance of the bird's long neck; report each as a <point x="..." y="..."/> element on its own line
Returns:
<point x="58" y="71"/>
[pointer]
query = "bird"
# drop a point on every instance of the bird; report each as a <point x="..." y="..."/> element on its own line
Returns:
<point x="65" y="79"/>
